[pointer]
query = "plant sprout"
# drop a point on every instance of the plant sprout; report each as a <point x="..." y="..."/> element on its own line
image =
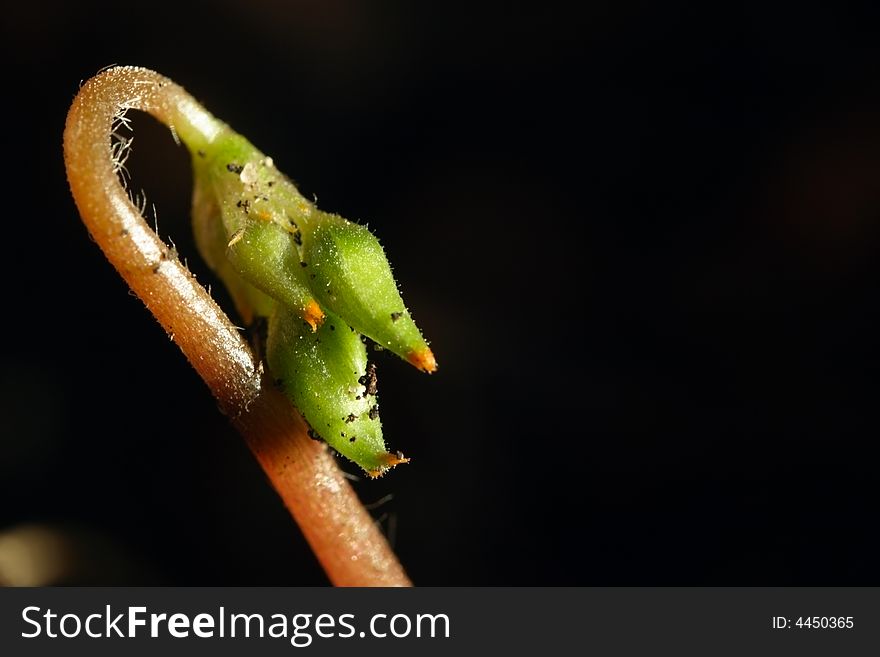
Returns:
<point x="321" y="281"/>
<point x="318" y="280"/>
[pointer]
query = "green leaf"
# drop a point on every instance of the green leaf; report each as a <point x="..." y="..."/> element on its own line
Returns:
<point x="262" y="214"/>
<point x="325" y="373"/>
<point x="350" y="275"/>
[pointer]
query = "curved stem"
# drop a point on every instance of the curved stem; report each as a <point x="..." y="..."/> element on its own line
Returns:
<point x="340" y="531"/>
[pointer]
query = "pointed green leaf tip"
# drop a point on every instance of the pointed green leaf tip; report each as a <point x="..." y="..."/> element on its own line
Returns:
<point x="319" y="279"/>
<point x="351" y="276"/>
<point x="325" y="373"/>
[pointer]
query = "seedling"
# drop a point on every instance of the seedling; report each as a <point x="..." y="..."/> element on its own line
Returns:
<point x="316" y="279"/>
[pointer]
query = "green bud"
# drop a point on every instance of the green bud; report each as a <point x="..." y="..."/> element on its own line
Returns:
<point x="351" y="276"/>
<point x="262" y="215"/>
<point x="319" y="279"/>
<point x="325" y="373"/>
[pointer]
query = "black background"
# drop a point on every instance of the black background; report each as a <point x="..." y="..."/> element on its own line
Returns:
<point x="641" y="237"/>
